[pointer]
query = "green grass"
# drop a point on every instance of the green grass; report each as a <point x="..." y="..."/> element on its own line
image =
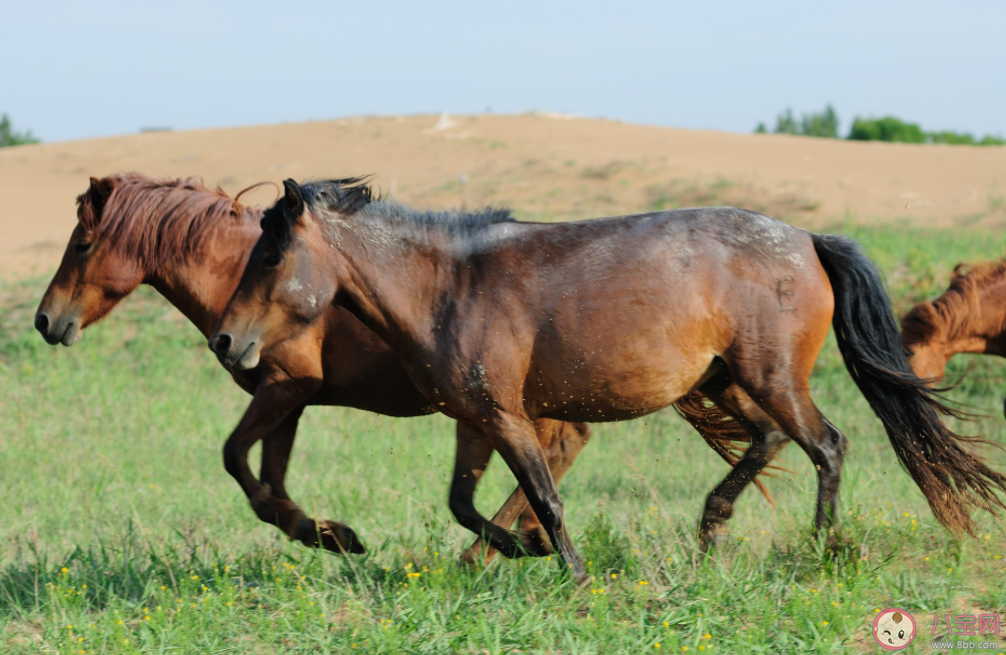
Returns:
<point x="119" y="520"/>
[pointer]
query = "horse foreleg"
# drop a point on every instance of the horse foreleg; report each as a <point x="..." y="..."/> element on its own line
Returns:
<point x="514" y="438"/>
<point x="473" y="453"/>
<point x="562" y="443"/>
<point x="470" y="460"/>
<point x="282" y="511"/>
<point x="272" y="417"/>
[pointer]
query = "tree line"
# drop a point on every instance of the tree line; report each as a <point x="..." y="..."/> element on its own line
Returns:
<point x="824" y="124"/>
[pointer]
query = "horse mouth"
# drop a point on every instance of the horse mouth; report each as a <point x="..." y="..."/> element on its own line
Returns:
<point x="248" y="358"/>
<point x="71" y="335"/>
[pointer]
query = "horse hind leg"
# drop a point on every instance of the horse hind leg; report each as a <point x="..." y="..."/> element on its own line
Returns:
<point x="767" y="439"/>
<point x="787" y="401"/>
<point x="722" y="432"/>
<point x="837" y="442"/>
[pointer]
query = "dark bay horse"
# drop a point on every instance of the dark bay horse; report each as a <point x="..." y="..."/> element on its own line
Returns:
<point x="501" y="323"/>
<point x="191" y="243"/>
<point x="970" y="317"/>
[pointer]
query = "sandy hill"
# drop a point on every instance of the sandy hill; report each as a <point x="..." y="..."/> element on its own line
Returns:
<point x="545" y="166"/>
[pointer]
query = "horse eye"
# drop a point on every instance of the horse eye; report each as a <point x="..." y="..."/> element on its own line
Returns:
<point x="271" y="260"/>
<point x="81" y="247"/>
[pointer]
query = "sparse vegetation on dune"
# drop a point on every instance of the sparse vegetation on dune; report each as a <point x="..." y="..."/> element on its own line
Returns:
<point x="676" y="194"/>
<point x="120" y="532"/>
<point x="619" y="187"/>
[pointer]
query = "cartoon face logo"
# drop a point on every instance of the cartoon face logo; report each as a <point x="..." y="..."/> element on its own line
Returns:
<point x="894" y="629"/>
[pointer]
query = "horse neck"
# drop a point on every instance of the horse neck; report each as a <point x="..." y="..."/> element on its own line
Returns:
<point x="391" y="285"/>
<point x="201" y="285"/>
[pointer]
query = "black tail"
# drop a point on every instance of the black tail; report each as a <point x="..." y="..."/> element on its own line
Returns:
<point x="952" y="477"/>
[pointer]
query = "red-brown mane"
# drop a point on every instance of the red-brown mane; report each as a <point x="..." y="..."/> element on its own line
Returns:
<point x="958" y="311"/>
<point x="158" y="221"/>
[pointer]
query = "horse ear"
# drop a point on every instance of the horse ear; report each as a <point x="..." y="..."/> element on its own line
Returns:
<point x="91" y="203"/>
<point x="293" y="199"/>
<point x="100" y="191"/>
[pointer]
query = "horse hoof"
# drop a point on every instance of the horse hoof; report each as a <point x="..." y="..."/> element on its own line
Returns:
<point x="713" y="536"/>
<point x="339" y="538"/>
<point x="836" y="544"/>
<point x="467" y="559"/>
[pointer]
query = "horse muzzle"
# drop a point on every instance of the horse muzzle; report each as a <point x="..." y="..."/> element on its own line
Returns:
<point x="65" y="330"/>
<point x="240" y="354"/>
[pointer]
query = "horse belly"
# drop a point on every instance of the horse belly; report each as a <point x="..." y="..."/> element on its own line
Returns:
<point x="617" y="384"/>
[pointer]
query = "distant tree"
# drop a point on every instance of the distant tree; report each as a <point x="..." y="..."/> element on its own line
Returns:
<point x="963" y="138"/>
<point x="953" y="138"/>
<point x="887" y="128"/>
<point x="820" y="124"/>
<point x="786" y="124"/>
<point x="8" y="137"/>
<point x="824" y="124"/>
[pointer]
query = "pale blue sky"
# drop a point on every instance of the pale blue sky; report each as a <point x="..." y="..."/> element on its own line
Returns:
<point x="76" y="70"/>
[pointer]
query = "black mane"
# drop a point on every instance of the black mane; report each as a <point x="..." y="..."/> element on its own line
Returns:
<point x="352" y="195"/>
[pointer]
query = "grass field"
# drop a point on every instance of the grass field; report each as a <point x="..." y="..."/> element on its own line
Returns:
<point x="120" y="532"/>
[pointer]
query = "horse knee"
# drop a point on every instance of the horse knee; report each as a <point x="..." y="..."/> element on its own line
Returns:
<point x="552" y="510"/>
<point x="464" y="512"/>
<point x="232" y="459"/>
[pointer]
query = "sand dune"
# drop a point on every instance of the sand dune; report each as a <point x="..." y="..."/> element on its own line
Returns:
<point x="545" y="166"/>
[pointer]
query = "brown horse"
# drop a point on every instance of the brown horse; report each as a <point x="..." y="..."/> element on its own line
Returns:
<point x="970" y="317"/>
<point x="191" y="243"/>
<point x="502" y="323"/>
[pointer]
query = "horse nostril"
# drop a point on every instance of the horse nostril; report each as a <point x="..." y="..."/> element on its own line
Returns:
<point x="42" y="323"/>
<point x="220" y="343"/>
